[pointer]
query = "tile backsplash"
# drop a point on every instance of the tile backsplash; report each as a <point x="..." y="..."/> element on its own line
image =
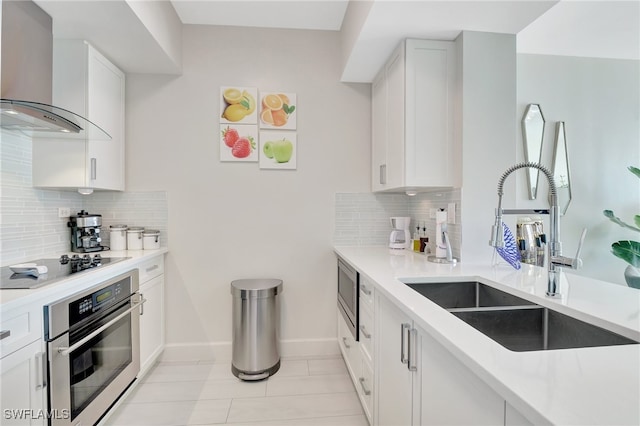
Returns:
<point x="29" y="224"/>
<point x="363" y="218"/>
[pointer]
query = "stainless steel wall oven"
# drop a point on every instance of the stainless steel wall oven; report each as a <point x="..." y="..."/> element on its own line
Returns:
<point x="93" y="348"/>
<point x="348" y="293"/>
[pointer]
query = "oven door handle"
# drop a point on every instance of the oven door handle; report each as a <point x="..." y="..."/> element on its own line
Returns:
<point x="66" y="351"/>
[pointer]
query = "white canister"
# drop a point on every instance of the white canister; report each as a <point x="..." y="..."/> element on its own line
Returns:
<point x="134" y="238"/>
<point x="118" y="237"/>
<point x="151" y="239"/>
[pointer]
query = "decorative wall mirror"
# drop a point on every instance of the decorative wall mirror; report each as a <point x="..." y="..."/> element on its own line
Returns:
<point x="532" y="134"/>
<point x="560" y="168"/>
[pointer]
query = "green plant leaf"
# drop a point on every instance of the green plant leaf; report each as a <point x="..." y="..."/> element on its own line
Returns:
<point x="634" y="170"/>
<point x="613" y="218"/>
<point x="629" y="251"/>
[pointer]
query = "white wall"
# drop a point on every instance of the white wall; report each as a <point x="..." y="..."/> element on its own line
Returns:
<point x="488" y="98"/>
<point x="232" y="220"/>
<point x="599" y="101"/>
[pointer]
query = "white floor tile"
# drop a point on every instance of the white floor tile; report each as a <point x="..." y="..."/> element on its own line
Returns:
<point x="327" y="366"/>
<point x="293" y="407"/>
<point x="171" y="413"/>
<point x="306" y="385"/>
<point x="359" y="420"/>
<point x="191" y="391"/>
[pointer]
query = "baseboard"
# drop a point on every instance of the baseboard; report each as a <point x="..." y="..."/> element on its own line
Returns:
<point x="221" y="351"/>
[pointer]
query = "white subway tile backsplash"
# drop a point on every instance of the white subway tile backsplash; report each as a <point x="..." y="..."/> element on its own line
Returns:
<point x="363" y="218"/>
<point x="29" y="222"/>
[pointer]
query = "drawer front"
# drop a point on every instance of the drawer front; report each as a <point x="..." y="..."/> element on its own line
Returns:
<point x="366" y="292"/>
<point x="151" y="268"/>
<point x="366" y="331"/>
<point x="18" y="328"/>
<point x="349" y="347"/>
<point x="365" y="388"/>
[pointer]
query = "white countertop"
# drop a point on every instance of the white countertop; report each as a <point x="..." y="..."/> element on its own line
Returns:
<point x="10" y="299"/>
<point x="582" y="386"/>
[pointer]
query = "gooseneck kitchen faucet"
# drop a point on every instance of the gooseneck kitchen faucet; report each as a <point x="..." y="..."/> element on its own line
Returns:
<point x="554" y="246"/>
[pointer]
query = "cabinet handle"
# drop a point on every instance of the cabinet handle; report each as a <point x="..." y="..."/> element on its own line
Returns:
<point x="366" y="391"/>
<point x="403" y="357"/>
<point x="94" y="167"/>
<point x="413" y="352"/>
<point x="4" y="334"/>
<point x="41" y="367"/>
<point x="383" y="174"/>
<point x="152" y="268"/>
<point x="142" y="300"/>
<point x="365" y="290"/>
<point x="344" y="341"/>
<point x="364" y="332"/>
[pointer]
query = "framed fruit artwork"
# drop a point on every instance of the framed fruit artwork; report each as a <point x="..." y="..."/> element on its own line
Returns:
<point x="238" y="105"/>
<point x="278" y="110"/>
<point x="238" y="142"/>
<point x="278" y="150"/>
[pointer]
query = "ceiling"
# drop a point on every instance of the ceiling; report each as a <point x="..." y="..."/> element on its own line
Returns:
<point x="569" y="27"/>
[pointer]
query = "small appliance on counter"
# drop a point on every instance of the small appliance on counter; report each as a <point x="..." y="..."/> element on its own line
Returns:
<point x="85" y="232"/>
<point x="400" y="237"/>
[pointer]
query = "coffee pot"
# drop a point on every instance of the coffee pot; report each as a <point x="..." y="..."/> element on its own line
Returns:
<point x="85" y="232"/>
<point x="400" y="237"/>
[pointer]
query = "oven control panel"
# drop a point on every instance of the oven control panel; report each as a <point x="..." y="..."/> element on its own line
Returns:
<point x="86" y="306"/>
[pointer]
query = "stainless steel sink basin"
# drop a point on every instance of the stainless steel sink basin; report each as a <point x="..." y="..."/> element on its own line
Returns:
<point x="467" y="294"/>
<point x="515" y="323"/>
<point x="537" y="328"/>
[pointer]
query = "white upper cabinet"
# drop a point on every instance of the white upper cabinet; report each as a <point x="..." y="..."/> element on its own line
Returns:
<point x="87" y="83"/>
<point x="413" y="119"/>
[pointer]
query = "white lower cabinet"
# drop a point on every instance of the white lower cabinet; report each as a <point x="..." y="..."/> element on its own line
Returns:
<point x="451" y="393"/>
<point x="513" y="418"/>
<point x="397" y="387"/>
<point x="22" y="378"/>
<point x="152" y="327"/>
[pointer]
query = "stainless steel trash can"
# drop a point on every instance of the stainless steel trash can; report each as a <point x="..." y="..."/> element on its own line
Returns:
<point x="256" y="317"/>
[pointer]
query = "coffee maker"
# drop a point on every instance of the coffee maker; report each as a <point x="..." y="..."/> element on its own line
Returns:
<point x="85" y="232"/>
<point x="400" y="237"/>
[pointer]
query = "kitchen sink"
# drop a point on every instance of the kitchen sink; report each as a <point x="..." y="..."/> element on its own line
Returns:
<point x="537" y="328"/>
<point x="466" y="294"/>
<point x="515" y="323"/>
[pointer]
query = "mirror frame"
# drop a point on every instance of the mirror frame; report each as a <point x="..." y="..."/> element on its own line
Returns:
<point x="533" y="124"/>
<point x="560" y="166"/>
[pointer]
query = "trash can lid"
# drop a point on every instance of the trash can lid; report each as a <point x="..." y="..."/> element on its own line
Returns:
<point x="256" y="288"/>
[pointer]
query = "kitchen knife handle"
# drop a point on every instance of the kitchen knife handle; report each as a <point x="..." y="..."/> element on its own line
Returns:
<point x="94" y="167"/>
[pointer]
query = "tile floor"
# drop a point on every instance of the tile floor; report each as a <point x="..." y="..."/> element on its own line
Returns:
<point x="305" y="392"/>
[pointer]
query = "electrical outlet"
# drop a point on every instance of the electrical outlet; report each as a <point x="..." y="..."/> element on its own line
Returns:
<point x="64" y="212"/>
<point x="432" y="213"/>
<point x="451" y="213"/>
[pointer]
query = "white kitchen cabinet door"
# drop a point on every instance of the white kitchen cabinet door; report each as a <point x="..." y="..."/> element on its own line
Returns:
<point x="349" y="348"/>
<point x="414" y="95"/>
<point x="151" y="322"/>
<point x="84" y="82"/>
<point x="396" y="385"/>
<point x="452" y="394"/>
<point x="512" y="417"/>
<point x="22" y="400"/>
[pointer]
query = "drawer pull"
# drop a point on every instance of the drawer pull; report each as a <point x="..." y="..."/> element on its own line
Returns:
<point x="344" y="340"/>
<point x="4" y="334"/>
<point x="364" y="332"/>
<point x="365" y="290"/>
<point x="152" y="268"/>
<point x="366" y="391"/>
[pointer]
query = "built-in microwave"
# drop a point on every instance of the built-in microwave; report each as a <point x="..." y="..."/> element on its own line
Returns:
<point x="348" y="293"/>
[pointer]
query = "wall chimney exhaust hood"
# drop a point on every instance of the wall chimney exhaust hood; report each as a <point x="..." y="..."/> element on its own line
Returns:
<point x="27" y="61"/>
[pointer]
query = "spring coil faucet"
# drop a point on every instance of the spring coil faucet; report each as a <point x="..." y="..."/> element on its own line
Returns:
<point x="555" y="257"/>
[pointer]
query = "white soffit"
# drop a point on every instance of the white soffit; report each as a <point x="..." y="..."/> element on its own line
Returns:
<point x="391" y="21"/>
<point x="599" y="29"/>
<point x="293" y="14"/>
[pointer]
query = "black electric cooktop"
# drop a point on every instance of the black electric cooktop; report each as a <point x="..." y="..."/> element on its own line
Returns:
<point x="58" y="269"/>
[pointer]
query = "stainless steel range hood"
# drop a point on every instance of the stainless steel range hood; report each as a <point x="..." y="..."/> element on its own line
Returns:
<point x="27" y="60"/>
